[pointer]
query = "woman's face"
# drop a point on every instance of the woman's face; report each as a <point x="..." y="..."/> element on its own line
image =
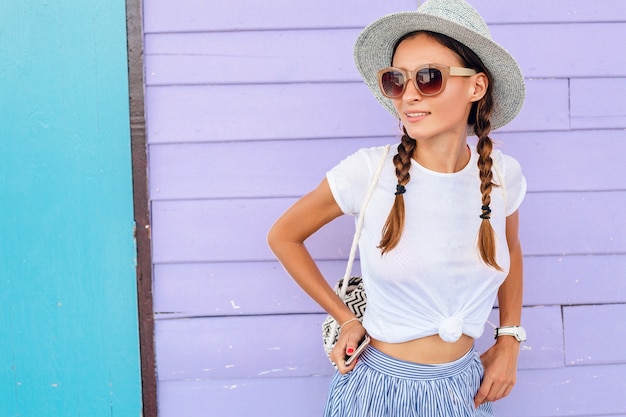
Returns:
<point x="442" y="115"/>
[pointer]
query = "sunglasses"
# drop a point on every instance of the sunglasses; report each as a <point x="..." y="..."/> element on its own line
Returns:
<point x="429" y="79"/>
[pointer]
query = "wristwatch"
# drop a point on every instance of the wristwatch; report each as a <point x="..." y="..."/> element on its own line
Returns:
<point x="516" y="331"/>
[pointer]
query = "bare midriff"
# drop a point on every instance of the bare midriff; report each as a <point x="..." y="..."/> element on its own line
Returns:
<point x="426" y="350"/>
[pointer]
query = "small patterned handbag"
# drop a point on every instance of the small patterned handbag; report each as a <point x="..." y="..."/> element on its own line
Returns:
<point x="353" y="294"/>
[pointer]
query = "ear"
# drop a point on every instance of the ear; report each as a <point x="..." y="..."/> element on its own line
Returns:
<point x="479" y="86"/>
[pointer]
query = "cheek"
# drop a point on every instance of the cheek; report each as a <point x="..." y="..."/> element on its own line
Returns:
<point x="397" y="104"/>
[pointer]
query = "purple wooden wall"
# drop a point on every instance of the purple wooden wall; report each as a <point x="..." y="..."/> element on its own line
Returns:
<point x="247" y="107"/>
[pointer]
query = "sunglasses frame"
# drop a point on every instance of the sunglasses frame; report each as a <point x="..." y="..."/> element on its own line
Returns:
<point x="445" y="70"/>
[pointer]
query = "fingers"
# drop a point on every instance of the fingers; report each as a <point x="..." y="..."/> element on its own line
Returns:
<point x="491" y="390"/>
<point x="481" y="395"/>
<point x="346" y="345"/>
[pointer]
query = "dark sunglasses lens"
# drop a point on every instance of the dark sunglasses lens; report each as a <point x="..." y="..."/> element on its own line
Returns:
<point x="429" y="80"/>
<point x="392" y="83"/>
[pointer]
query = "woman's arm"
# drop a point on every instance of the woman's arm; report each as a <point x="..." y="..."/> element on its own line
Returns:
<point x="500" y="361"/>
<point x="286" y="239"/>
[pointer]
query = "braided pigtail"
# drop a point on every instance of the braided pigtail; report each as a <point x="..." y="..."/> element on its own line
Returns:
<point x="482" y="126"/>
<point x="394" y="225"/>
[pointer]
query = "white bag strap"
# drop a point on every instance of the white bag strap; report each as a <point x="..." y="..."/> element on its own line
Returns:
<point x="500" y="179"/>
<point x="359" y="223"/>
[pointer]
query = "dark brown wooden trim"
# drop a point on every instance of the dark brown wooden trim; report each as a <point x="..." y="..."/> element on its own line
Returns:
<point x="141" y="206"/>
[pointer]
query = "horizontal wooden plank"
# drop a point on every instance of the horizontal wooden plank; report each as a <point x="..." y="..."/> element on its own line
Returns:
<point x="198" y="15"/>
<point x="551" y="223"/>
<point x="290" y="345"/>
<point x="587" y="112"/>
<point x="241" y="288"/>
<point x="241" y="347"/>
<point x="205" y="170"/>
<point x="570" y="391"/>
<point x="579" y="50"/>
<point x="592" y="391"/>
<point x="276" y="397"/>
<point x="235" y="57"/>
<point x="235" y="230"/>
<point x="228" y="230"/>
<point x="538" y="11"/>
<point x="594" y="333"/>
<point x="215" y="289"/>
<point x="544" y="347"/>
<point x="551" y="161"/>
<point x="262" y="112"/>
<point x="288" y="111"/>
<point x="559" y="280"/>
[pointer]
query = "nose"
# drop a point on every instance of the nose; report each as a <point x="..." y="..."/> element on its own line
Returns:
<point x="411" y="93"/>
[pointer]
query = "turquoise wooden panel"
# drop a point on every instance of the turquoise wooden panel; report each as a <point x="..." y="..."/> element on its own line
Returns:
<point x="586" y="325"/>
<point x="68" y="309"/>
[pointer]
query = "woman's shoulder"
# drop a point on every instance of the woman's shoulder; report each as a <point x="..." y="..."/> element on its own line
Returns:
<point x="508" y="173"/>
<point x="505" y="164"/>
<point x="373" y="153"/>
<point x="368" y="157"/>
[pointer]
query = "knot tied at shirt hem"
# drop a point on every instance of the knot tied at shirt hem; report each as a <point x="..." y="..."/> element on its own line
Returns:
<point x="451" y="329"/>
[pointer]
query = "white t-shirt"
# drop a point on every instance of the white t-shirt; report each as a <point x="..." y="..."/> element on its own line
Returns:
<point x="434" y="281"/>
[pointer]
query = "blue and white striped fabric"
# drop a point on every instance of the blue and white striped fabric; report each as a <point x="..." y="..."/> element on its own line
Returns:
<point x="382" y="386"/>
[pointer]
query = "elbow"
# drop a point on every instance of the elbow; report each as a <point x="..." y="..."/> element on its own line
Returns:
<point x="273" y="238"/>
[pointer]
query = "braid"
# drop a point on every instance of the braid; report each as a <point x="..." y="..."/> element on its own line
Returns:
<point x="394" y="225"/>
<point x="482" y="127"/>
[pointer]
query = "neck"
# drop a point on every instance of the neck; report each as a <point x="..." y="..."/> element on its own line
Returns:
<point x="446" y="157"/>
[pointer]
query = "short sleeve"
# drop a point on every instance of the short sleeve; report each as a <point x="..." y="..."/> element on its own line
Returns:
<point x="513" y="179"/>
<point x="350" y="179"/>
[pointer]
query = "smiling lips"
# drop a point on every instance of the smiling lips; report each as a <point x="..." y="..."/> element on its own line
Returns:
<point x="416" y="115"/>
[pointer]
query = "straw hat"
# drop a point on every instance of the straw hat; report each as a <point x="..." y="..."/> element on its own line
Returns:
<point x="374" y="47"/>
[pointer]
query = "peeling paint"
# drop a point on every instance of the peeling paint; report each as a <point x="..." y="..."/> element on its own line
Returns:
<point x="271" y="371"/>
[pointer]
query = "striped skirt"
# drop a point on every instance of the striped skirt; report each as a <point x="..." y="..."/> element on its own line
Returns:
<point x="382" y="386"/>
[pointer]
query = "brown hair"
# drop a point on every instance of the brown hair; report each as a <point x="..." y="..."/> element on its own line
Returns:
<point x="480" y="119"/>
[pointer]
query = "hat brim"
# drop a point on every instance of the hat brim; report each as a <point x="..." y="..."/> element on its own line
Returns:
<point x="373" y="51"/>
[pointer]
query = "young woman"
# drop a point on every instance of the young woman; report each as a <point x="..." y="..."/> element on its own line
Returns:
<point x="440" y="236"/>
